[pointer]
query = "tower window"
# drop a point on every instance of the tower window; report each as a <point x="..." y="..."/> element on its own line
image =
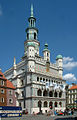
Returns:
<point x="31" y="22"/>
<point x="34" y="35"/>
<point x="27" y="35"/>
<point x="47" y="54"/>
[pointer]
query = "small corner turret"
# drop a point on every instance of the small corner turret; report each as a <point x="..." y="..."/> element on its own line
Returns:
<point x="46" y="53"/>
<point x="59" y="62"/>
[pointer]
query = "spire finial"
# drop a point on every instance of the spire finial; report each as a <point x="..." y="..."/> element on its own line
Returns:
<point x="31" y="10"/>
<point x="14" y="60"/>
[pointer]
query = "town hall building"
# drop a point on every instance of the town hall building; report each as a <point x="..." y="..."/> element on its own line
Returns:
<point x="39" y="83"/>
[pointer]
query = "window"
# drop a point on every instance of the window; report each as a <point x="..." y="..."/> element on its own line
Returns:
<point x="45" y="104"/>
<point x="39" y="104"/>
<point x="22" y="93"/>
<point x="60" y="94"/>
<point x="60" y="103"/>
<point x="39" y="92"/>
<point x="22" y="82"/>
<point x="55" y="104"/>
<point x="47" y="54"/>
<point x="10" y="92"/>
<point x="10" y="100"/>
<point x="45" y="93"/>
<point x="34" y="35"/>
<point x="2" y="82"/>
<point x="50" y="94"/>
<point x="55" y="94"/>
<point x="41" y="79"/>
<point x="2" y="91"/>
<point x="37" y="78"/>
<point x="20" y="104"/>
<point x="44" y="79"/>
<point x="51" y="105"/>
<point x="2" y="100"/>
<point x="31" y="22"/>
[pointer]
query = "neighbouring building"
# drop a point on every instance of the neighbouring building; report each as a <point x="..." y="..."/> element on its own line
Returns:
<point x="7" y="92"/>
<point x="72" y="97"/>
<point x="39" y="83"/>
<point x="3" y="97"/>
<point x="10" y="91"/>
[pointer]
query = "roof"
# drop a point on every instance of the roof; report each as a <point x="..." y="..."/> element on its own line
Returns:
<point x="59" y="57"/>
<point x="73" y="87"/>
<point x="2" y="75"/>
<point x="10" y="84"/>
<point x="30" y="44"/>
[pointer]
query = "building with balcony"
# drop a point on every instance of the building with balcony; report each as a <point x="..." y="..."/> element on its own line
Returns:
<point x="39" y="82"/>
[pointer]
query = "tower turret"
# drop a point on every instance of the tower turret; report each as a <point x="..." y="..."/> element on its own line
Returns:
<point x="59" y="62"/>
<point x="46" y="53"/>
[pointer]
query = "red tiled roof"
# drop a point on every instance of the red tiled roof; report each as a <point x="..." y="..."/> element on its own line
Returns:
<point x="2" y="76"/>
<point x="73" y="87"/>
<point x="10" y="84"/>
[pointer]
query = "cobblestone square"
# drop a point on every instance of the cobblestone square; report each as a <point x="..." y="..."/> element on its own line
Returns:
<point x="38" y="117"/>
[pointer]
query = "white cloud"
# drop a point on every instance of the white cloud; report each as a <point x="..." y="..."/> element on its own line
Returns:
<point x="69" y="63"/>
<point x="67" y="59"/>
<point x="69" y="77"/>
<point x="1" y="11"/>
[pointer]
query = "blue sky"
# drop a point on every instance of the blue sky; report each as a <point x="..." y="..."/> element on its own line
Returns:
<point x="57" y="24"/>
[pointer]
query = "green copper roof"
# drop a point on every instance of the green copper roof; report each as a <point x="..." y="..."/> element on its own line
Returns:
<point x="46" y="45"/>
<point x="59" y="57"/>
<point x="30" y="44"/>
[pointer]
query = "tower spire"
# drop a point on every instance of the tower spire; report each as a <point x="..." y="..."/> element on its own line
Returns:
<point x="31" y="10"/>
<point x="14" y="60"/>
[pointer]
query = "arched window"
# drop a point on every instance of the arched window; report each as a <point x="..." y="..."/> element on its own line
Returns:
<point x="34" y="35"/>
<point x="39" y="103"/>
<point x="55" y="104"/>
<point x="55" y="94"/>
<point x="45" y="104"/>
<point x="39" y="92"/>
<point x="60" y="94"/>
<point x="51" y="105"/>
<point x="45" y="93"/>
<point x="60" y="103"/>
<point x="50" y="94"/>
